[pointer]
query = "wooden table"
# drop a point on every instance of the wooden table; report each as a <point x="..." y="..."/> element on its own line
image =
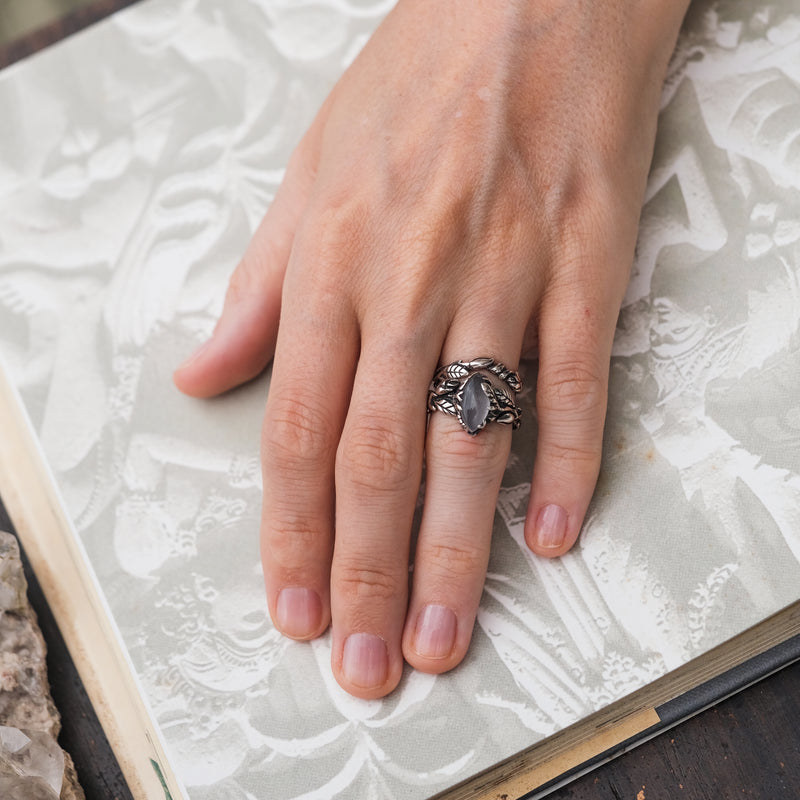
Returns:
<point x="746" y="747"/>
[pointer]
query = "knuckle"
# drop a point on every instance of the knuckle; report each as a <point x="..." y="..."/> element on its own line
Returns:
<point x="296" y="436"/>
<point x="454" y="561"/>
<point x="571" y="388"/>
<point x="244" y="281"/>
<point x="410" y="328"/>
<point x="303" y="160"/>
<point x="376" y="456"/>
<point x="356" y="583"/>
<point x="293" y="538"/>
<point x="572" y="458"/>
<point x="330" y="243"/>
<point x="337" y="226"/>
<point x="485" y="453"/>
<point x="581" y="225"/>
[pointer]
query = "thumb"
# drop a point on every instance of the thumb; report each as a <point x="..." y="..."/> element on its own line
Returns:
<point x="243" y="341"/>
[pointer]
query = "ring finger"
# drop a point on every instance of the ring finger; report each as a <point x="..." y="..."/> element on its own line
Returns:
<point x="462" y="484"/>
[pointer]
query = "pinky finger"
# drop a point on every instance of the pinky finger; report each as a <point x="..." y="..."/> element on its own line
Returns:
<point x="571" y="401"/>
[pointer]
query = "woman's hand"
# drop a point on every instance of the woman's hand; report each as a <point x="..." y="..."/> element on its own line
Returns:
<point x="471" y="187"/>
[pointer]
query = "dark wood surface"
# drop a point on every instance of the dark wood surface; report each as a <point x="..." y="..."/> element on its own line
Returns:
<point x="746" y="747"/>
<point x="68" y="23"/>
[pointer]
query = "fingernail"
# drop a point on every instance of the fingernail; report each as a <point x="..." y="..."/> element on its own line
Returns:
<point x="194" y="356"/>
<point x="435" y="633"/>
<point x="298" y="612"/>
<point x="365" y="661"/>
<point x="551" y="527"/>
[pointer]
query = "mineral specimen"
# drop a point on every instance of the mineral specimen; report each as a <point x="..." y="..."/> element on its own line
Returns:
<point x="32" y="765"/>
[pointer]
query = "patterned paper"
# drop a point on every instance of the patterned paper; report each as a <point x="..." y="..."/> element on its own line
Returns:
<point x="135" y="161"/>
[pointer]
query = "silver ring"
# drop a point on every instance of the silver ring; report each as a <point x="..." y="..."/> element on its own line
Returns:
<point x="465" y="390"/>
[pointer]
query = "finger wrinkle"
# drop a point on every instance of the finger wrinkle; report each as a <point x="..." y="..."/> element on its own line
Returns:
<point x="568" y="461"/>
<point x="297" y="438"/>
<point x="571" y="388"/>
<point x="378" y="457"/>
<point x="451" y="562"/>
<point x="486" y="453"/>
<point x="355" y="583"/>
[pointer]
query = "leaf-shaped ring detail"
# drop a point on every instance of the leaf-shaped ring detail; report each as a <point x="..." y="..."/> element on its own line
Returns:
<point x="464" y="390"/>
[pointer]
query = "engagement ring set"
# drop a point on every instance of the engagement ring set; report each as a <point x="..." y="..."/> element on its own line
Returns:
<point x="476" y="392"/>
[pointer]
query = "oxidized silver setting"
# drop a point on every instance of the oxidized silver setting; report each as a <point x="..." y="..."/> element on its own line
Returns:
<point x="464" y="390"/>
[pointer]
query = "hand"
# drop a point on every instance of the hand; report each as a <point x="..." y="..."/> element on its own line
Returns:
<point x="471" y="187"/>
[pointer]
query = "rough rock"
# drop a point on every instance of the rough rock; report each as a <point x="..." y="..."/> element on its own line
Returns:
<point x="32" y="765"/>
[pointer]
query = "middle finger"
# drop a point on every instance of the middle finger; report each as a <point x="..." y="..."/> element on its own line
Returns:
<point x="378" y="470"/>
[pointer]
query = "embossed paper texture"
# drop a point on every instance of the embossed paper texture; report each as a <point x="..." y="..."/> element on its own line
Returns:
<point x="136" y="160"/>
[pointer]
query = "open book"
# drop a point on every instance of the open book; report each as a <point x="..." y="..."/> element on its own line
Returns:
<point x="135" y="160"/>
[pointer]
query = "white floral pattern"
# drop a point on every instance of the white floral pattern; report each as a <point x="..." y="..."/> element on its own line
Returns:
<point x="135" y="161"/>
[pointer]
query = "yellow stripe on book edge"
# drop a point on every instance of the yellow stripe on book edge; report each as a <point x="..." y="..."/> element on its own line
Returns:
<point x="604" y="738"/>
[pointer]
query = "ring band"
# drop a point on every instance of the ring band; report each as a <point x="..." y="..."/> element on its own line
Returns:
<point x="464" y="390"/>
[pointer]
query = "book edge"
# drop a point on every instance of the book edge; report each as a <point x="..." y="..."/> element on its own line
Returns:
<point x="732" y="665"/>
<point x="695" y="701"/>
<point x="79" y="606"/>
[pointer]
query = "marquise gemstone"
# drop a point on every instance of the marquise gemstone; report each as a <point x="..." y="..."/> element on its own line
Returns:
<point x="475" y="404"/>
